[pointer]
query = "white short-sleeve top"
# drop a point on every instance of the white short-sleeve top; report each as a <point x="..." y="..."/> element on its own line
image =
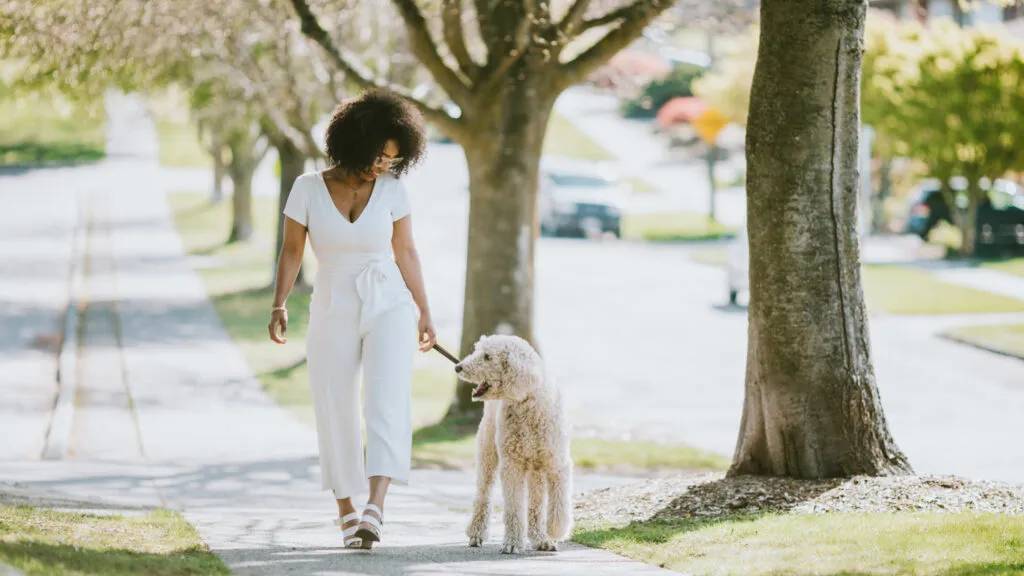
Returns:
<point x="331" y="233"/>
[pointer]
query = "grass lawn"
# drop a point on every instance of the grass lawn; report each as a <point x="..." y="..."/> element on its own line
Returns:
<point x="902" y="290"/>
<point x="1003" y="338"/>
<point x="180" y="146"/>
<point x="48" y="542"/>
<point x="236" y="277"/>
<point x="710" y="256"/>
<point x="41" y="130"/>
<point x="641" y="186"/>
<point x="673" y="226"/>
<point x="565" y="139"/>
<point x="905" y="543"/>
<point x="1014" y="266"/>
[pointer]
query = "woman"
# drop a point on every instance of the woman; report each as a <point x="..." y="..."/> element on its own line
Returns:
<point x="361" y="313"/>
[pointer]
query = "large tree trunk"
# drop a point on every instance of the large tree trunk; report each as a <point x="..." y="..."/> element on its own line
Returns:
<point x="811" y="408"/>
<point x="244" y="160"/>
<point x="967" y="220"/>
<point x="503" y="160"/>
<point x="241" y="204"/>
<point x="219" y="170"/>
<point x="293" y="164"/>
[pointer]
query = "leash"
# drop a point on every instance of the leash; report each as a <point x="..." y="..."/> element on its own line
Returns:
<point x="440" y="349"/>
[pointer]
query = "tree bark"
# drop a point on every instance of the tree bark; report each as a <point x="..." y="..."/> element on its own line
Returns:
<point x="968" y="220"/>
<point x="293" y="164"/>
<point x="219" y="170"/>
<point x="504" y="163"/>
<point x="241" y="205"/>
<point x="245" y="158"/>
<point x="811" y="406"/>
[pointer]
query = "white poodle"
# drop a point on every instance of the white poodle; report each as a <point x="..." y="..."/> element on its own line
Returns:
<point x="524" y="435"/>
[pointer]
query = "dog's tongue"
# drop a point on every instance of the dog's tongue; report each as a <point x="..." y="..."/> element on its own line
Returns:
<point x="481" y="389"/>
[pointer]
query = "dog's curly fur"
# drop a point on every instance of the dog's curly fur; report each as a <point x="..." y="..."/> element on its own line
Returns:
<point x="524" y="436"/>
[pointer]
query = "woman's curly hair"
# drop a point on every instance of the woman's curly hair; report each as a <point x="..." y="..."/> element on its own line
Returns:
<point x="360" y="128"/>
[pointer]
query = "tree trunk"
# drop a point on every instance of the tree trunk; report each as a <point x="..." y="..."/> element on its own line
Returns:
<point x="241" y="204"/>
<point x="710" y="158"/>
<point x="968" y="220"/>
<point x="504" y="168"/>
<point x="293" y="164"/>
<point x="217" y="152"/>
<point x="811" y="407"/>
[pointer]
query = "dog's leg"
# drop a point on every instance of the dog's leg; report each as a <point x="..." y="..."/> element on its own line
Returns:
<point x="560" y="503"/>
<point x="486" y="468"/>
<point x="537" y="486"/>
<point x="513" y="485"/>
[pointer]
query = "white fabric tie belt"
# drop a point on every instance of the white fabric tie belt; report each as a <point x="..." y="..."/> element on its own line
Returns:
<point x="370" y="288"/>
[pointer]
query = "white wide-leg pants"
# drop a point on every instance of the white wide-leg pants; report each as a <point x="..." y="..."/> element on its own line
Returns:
<point x="361" y="317"/>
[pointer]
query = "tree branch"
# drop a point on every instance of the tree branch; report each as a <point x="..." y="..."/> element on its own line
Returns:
<point x="510" y="55"/>
<point x="426" y="52"/>
<point x="454" y="37"/>
<point x="635" y="17"/>
<point x="609" y="18"/>
<point x="573" y="18"/>
<point x="355" y="70"/>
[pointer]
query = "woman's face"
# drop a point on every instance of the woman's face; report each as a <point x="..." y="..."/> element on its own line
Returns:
<point x="387" y="159"/>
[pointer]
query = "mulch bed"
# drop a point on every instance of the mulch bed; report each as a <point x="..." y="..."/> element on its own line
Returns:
<point x="714" y="495"/>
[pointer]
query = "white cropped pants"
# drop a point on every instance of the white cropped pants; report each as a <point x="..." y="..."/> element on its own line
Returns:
<point x="361" y="317"/>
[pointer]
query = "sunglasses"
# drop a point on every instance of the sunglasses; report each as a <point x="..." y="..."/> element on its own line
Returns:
<point x="386" y="162"/>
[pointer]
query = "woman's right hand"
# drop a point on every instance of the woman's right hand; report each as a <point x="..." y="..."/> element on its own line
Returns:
<point x="278" y="319"/>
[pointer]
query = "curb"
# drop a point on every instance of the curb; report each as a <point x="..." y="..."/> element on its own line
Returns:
<point x="979" y="345"/>
<point x="59" y="434"/>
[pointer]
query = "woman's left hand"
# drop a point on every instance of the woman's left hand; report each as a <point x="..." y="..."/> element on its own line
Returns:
<point x="427" y="335"/>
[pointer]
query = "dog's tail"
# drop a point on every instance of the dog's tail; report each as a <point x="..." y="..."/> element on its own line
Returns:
<point x="560" y="503"/>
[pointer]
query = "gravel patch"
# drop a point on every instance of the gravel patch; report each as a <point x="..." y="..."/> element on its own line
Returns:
<point x="711" y="495"/>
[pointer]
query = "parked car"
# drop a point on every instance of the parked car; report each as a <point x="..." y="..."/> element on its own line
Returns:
<point x="1000" y="225"/>
<point x="580" y="199"/>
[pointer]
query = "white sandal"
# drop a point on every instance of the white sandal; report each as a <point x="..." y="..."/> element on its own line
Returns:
<point x="351" y="541"/>
<point x="372" y="534"/>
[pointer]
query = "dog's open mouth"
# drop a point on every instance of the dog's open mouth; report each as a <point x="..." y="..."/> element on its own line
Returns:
<point x="481" y="389"/>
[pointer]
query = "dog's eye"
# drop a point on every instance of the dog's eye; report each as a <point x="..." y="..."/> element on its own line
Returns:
<point x="487" y="357"/>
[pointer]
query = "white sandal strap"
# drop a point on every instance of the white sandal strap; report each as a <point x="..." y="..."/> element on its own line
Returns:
<point x="372" y="522"/>
<point x="353" y="517"/>
<point x="373" y="508"/>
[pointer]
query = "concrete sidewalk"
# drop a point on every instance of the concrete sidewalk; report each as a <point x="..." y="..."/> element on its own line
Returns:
<point x="172" y="415"/>
<point x="36" y="253"/>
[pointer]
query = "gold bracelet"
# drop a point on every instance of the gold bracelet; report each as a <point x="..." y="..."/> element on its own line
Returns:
<point x="276" y="308"/>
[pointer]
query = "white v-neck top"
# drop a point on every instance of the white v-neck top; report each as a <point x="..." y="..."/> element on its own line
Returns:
<point x="354" y="258"/>
<point x="330" y="233"/>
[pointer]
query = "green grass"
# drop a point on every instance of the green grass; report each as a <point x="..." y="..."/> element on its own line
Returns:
<point x="959" y="544"/>
<point x="1002" y="338"/>
<point x="673" y="226"/>
<point x="1014" y="266"/>
<point x="47" y="542"/>
<point x="236" y="279"/>
<point x="710" y="256"/>
<point x="180" y="146"/>
<point x="42" y="130"/>
<point x="641" y="186"/>
<point x="902" y="290"/>
<point x="565" y="139"/>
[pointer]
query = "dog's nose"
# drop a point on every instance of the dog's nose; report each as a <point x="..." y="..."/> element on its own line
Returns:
<point x="458" y="367"/>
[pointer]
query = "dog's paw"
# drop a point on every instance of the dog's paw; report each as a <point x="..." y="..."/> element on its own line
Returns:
<point x="511" y="548"/>
<point x="546" y="546"/>
<point x="476" y="541"/>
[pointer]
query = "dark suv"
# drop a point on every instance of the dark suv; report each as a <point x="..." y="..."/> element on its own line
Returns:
<point x="1000" y="226"/>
